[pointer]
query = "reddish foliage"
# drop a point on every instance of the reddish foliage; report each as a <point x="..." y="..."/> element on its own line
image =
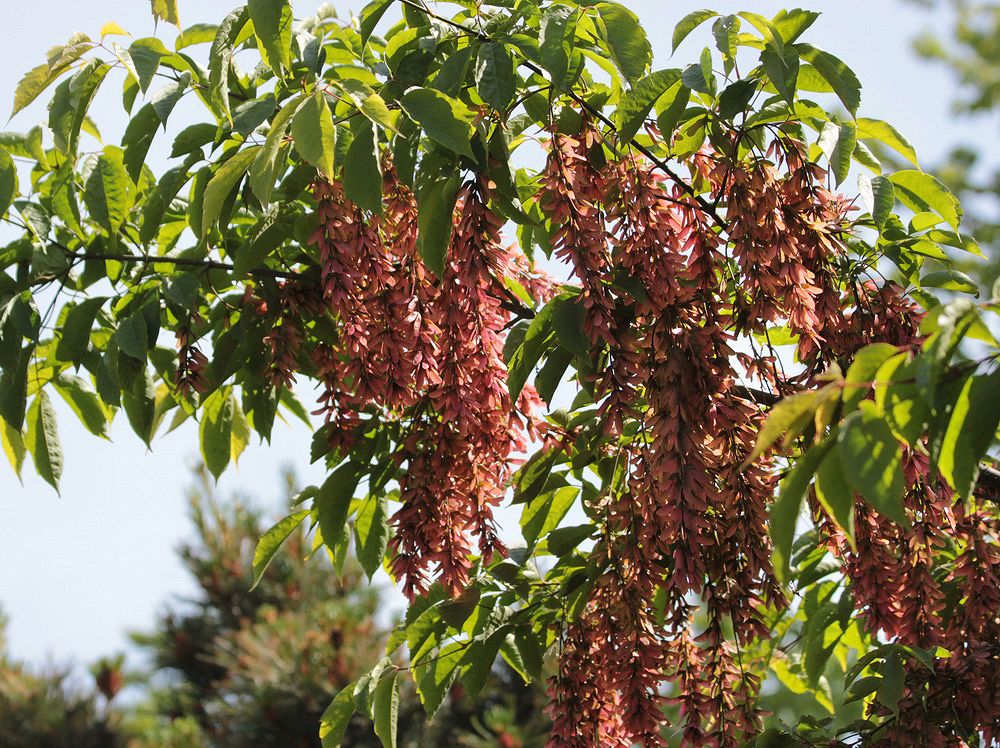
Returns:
<point x="663" y="306"/>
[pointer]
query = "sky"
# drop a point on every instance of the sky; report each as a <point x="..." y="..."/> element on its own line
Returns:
<point x="80" y="570"/>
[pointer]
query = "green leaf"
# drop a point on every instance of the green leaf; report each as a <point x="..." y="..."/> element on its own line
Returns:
<point x="556" y="40"/>
<point x="495" y="75"/>
<point x="726" y="32"/>
<point x="362" y="173"/>
<point x="791" y="23"/>
<point x="269" y="544"/>
<point x="332" y="503"/>
<point x="37" y="79"/>
<point x="220" y="59"/>
<point x="544" y="513"/>
<point x="216" y="430"/>
<point x="166" y="98"/>
<point x="693" y="76"/>
<point x="970" y="431"/>
<point x="84" y="402"/>
<point x="784" y="512"/>
<point x="31" y="85"/>
<point x="531" y="478"/>
<point x="8" y="182"/>
<point x="878" y="195"/>
<point x="786" y="420"/>
<point x="897" y="397"/>
<point x="952" y="280"/>
<point x="106" y="194"/>
<point x="314" y="134"/>
<point x="866" y="444"/>
<point x="782" y="70"/>
<point x="563" y="540"/>
<point x="146" y="55"/>
<point x="131" y="336"/>
<point x="920" y="192"/>
<point x="374" y="108"/>
<point x="734" y="99"/>
<point x="834" y="492"/>
<point x="13" y="446"/>
<point x="61" y="112"/>
<point x="269" y="234"/>
<point x="76" y="329"/>
<point x="567" y="320"/>
<point x="137" y="139"/>
<point x="193" y="137"/>
<point x="198" y="33"/>
<point x="767" y="30"/>
<point x="435" y="207"/>
<point x="893" y="682"/>
<point x="222" y="184"/>
<point x="876" y="129"/>
<point x="525" y="358"/>
<point x="670" y="114"/>
<point x="641" y="98"/>
<point x="837" y="141"/>
<point x="478" y="661"/>
<point x="630" y="49"/>
<point x="166" y="10"/>
<point x="443" y="118"/>
<point x="371" y="14"/>
<point x="269" y="162"/>
<point x="688" y="24"/>
<point x="840" y="77"/>
<point x="386" y="708"/>
<point x="272" y="24"/>
<point x="13" y="387"/>
<point x="139" y="403"/>
<point x="435" y="678"/>
<point x="371" y="531"/>
<point x="861" y="375"/>
<point x="42" y="440"/>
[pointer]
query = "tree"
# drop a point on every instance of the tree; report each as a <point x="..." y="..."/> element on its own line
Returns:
<point x="236" y="667"/>
<point x="48" y="710"/>
<point x="748" y="453"/>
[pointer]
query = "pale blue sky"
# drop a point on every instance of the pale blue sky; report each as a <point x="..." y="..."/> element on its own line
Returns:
<point x="80" y="570"/>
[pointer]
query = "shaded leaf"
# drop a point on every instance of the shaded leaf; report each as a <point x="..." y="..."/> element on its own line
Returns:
<point x="626" y="38"/>
<point x="443" y="118"/>
<point x="216" y="430"/>
<point x="970" y="431"/>
<point x="866" y="444"/>
<point x="362" y="173"/>
<point x="314" y="134"/>
<point x="495" y="75"/>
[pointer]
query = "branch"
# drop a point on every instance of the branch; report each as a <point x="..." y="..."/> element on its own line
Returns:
<point x="179" y="261"/>
<point x="656" y="160"/>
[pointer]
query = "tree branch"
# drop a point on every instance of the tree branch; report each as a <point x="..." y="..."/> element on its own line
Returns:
<point x="656" y="160"/>
<point x="179" y="261"/>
